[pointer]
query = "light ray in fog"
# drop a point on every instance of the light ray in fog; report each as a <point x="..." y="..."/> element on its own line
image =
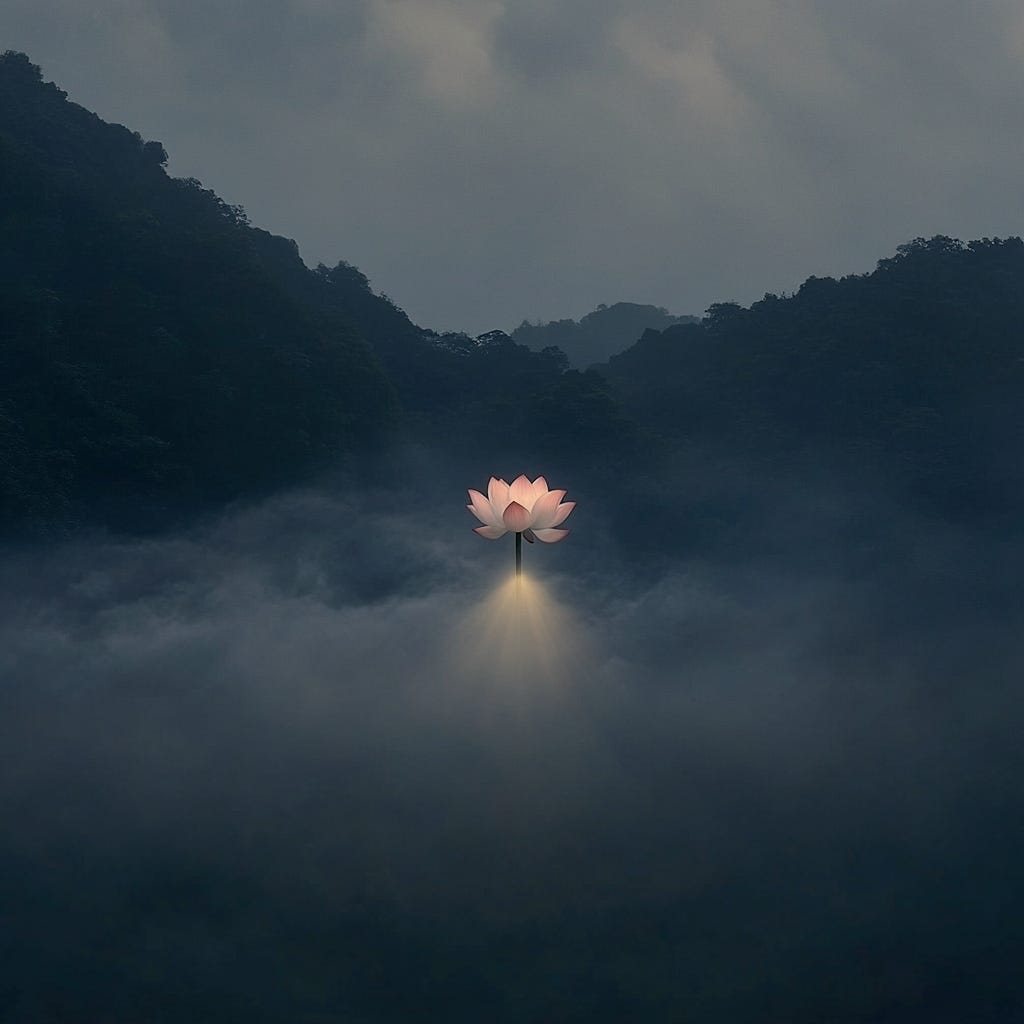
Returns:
<point x="521" y="640"/>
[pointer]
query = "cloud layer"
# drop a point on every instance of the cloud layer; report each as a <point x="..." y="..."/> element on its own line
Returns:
<point x="309" y="763"/>
<point x="485" y="161"/>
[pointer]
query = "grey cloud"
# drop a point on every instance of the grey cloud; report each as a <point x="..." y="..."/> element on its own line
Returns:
<point x="542" y="41"/>
<point x="489" y="162"/>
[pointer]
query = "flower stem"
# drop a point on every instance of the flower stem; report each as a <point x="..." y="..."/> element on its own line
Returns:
<point x="519" y="555"/>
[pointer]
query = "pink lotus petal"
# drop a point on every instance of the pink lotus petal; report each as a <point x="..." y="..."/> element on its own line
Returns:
<point x="490" y="532"/>
<point x="544" y="509"/>
<point x="551" y="536"/>
<point x="497" y="492"/>
<point x="521" y="491"/>
<point x="540" y="488"/>
<point x="528" y="536"/>
<point x="483" y="509"/>
<point x="516" y="518"/>
<point x="562" y="512"/>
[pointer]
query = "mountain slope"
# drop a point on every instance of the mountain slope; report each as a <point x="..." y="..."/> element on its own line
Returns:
<point x="914" y="372"/>
<point x="159" y="356"/>
<point x="151" y="363"/>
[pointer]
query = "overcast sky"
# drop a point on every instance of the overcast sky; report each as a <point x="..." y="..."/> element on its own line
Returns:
<point x="486" y="161"/>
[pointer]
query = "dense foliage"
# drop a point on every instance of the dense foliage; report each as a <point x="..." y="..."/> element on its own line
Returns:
<point x="160" y="356"/>
<point x="150" y="363"/>
<point x="911" y="376"/>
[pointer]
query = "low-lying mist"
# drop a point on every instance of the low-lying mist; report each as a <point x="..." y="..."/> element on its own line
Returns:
<point x="317" y="761"/>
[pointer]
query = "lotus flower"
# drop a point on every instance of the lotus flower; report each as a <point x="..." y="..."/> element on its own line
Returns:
<point x="521" y="507"/>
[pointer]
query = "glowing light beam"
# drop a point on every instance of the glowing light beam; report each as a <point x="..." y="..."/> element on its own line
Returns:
<point x="519" y="639"/>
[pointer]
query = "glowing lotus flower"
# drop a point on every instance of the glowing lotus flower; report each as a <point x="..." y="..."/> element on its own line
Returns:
<point x="521" y="507"/>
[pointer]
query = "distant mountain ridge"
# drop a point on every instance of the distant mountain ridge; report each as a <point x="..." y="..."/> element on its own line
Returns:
<point x="599" y="335"/>
<point x="161" y="357"/>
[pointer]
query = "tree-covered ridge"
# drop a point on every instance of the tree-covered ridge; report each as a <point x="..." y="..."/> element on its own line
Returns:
<point x="160" y="356"/>
<point x="600" y="334"/>
<point x="914" y="371"/>
<point x="151" y="363"/>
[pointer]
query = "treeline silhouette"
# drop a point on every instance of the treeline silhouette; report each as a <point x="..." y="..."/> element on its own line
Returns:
<point x="160" y="356"/>
<point x="910" y="376"/>
<point x="596" y="337"/>
<point x="150" y="363"/>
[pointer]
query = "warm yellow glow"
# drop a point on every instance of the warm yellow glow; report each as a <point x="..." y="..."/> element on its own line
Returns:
<point x="520" y="640"/>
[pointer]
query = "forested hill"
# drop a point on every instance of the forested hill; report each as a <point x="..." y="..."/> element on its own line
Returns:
<point x="913" y="373"/>
<point x="152" y="362"/>
<point x="599" y="335"/>
<point x="160" y="356"/>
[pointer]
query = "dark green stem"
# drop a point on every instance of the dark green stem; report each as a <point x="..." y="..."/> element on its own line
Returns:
<point x="519" y="554"/>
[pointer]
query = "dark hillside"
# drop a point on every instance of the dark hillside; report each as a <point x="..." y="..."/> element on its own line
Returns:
<point x="483" y="398"/>
<point x="159" y="357"/>
<point x="150" y="363"/>
<point x="913" y="374"/>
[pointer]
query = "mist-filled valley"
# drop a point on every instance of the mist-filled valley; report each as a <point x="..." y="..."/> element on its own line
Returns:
<point x="309" y="762"/>
<point x="283" y="740"/>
